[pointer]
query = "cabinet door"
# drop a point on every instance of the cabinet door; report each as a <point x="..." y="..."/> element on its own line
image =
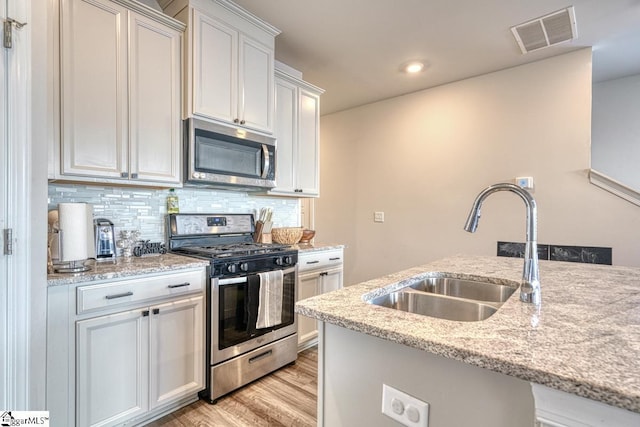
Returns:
<point x="331" y="280"/>
<point x="94" y="88"/>
<point x="155" y="117"/>
<point x="308" y="286"/>
<point x="286" y="129"/>
<point x="112" y="376"/>
<point x="308" y="144"/>
<point x="215" y="71"/>
<point x="256" y="85"/>
<point x="176" y="350"/>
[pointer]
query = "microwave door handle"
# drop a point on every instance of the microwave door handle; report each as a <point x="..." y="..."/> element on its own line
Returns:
<point x="266" y="161"/>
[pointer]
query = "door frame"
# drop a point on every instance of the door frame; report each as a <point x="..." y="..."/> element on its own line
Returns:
<point x="23" y="194"/>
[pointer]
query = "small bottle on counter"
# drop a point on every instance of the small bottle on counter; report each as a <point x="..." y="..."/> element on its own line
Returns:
<point x="172" y="202"/>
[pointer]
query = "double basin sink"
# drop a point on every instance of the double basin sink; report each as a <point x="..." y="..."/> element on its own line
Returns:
<point x="450" y="298"/>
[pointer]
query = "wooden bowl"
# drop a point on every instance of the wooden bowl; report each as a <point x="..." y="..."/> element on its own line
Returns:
<point x="286" y="235"/>
<point x="307" y="235"/>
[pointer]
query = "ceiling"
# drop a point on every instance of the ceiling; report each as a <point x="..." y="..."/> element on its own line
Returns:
<point x="354" y="48"/>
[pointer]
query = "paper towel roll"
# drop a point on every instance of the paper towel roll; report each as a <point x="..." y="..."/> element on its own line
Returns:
<point x="76" y="224"/>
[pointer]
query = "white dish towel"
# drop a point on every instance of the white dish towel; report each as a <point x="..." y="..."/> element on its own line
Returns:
<point x="270" y="299"/>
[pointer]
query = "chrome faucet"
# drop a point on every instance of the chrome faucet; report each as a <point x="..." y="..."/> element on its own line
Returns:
<point x="530" y="287"/>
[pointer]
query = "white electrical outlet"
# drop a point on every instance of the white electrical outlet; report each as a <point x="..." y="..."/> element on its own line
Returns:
<point x="405" y="409"/>
<point x="378" y="217"/>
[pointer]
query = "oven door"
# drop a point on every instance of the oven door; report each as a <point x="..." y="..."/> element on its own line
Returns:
<point x="233" y="327"/>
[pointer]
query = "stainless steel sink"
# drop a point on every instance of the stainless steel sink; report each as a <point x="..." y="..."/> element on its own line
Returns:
<point x="448" y="298"/>
<point x="463" y="288"/>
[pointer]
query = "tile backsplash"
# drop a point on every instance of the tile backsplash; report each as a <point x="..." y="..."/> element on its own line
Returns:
<point x="582" y="254"/>
<point x="145" y="209"/>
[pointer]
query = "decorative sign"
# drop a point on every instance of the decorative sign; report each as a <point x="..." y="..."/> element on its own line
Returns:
<point x="147" y="248"/>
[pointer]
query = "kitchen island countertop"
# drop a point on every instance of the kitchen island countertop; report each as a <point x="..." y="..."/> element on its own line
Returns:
<point x="583" y="339"/>
<point x="127" y="267"/>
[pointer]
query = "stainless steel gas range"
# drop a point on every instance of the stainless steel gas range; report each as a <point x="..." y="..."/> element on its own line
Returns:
<point x="251" y="325"/>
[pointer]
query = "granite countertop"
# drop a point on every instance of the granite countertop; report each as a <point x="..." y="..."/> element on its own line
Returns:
<point x="315" y="247"/>
<point x="583" y="339"/>
<point x="127" y="267"/>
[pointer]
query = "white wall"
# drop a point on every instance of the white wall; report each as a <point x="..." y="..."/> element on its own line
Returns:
<point x="423" y="157"/>
<point x="615" y="148"/>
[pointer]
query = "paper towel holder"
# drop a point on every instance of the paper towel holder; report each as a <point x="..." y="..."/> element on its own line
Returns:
<point x="71" y="240"/>
<point x="77" y="266"/>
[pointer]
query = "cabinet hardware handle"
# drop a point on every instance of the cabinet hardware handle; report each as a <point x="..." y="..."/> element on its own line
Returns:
<point x="122" y="295"/>
<point x="312" y="262"/>
<point x="156" y="310"/>
<point x="235" y="120"/>
<point x="260" y="356"/>
<point x="242" y="122"/>
<point x="145" y="313"/>
<point x="134" y="175"/>
<point x="334" y="259"/>
<point x="181" y="285"/>
<point x="124" y="174"/>
<point x="324" y="273"/>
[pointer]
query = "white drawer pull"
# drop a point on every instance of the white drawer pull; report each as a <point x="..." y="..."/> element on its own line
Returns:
<point x="181" y="285"/>
<point x="122" y="295"/>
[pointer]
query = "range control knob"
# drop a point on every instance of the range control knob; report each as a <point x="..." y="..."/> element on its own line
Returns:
<point x="244" y="266"/>
<point x="288" y="260"/>
<point x="279" y="261"/>
<point x="232" y="268"/>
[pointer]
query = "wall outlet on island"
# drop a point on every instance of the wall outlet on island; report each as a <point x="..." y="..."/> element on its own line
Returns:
<point x="378" y="217"/>
<point x="405" y="409"/>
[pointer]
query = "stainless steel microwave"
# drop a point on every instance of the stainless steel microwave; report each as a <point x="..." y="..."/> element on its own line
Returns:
<point x="220" y="156"/>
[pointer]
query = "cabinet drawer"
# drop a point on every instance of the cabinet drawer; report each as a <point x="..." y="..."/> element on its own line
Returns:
<point x="113" y="294"/>
<point x="320" y="259"/>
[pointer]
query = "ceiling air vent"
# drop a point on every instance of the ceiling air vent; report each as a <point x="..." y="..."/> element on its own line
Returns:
<point x="557" y="27"/>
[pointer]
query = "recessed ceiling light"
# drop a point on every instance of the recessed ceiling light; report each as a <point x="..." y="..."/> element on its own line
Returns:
<point x="413" y="67"/>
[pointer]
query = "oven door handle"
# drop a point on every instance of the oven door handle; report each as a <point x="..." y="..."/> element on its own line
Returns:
<point x="232" y="281"/>
<point x="243" y="279"/>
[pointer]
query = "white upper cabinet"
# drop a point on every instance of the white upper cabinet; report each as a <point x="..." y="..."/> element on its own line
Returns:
<point x="94" y="88"/>
<point x="120" y="93"/>
<point x="230" y="63"/>
<point x="256" y="85"/>
<point x="215" y="68"/>
<point x="297" y="132"/>
<point x="154" y="101"/>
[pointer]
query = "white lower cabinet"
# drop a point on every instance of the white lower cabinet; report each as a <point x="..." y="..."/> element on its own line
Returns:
<point x="131" y="362"/>
<point x="176" y="356"/>
<point x="112" y="354"/>
<point x="122" y="352"/>
<point x="318" y="272"/>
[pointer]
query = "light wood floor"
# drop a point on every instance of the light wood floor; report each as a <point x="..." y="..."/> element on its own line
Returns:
<point x="286" y="397"/>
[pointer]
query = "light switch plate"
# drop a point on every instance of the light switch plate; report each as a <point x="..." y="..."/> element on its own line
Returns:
<point x="525" y="182"/>
<point x="405" y="409"/>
